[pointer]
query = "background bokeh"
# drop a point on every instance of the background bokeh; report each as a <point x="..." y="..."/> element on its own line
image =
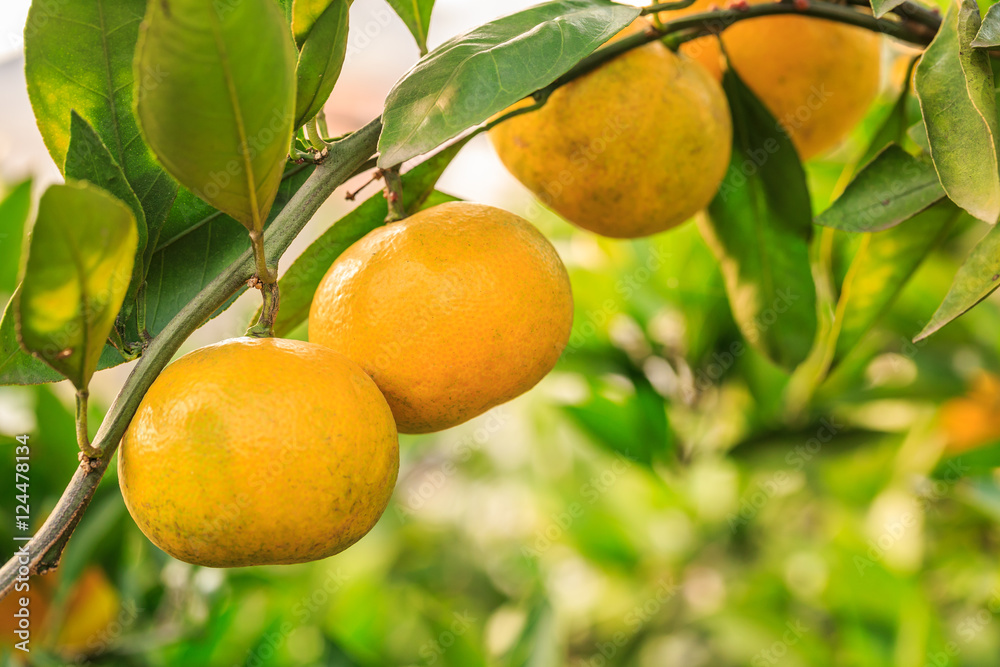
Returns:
<point x="649" y="504"/>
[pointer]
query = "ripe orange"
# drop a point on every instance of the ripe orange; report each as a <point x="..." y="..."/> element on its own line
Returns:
<point x="633" y="148"/>
<point x="259" y="451"/>
<point x="452" y="311"/>
<point x="817" y="77"/>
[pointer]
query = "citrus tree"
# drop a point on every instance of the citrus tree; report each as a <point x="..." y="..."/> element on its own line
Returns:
<point x="194" y="148"/>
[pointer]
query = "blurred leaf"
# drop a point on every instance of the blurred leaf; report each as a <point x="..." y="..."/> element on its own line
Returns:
<point x="14" y="211"/>
<point x="882" y="266"/>
<point x="882" y="7"/>
<point x="321" y="60"/>
<point x="632" y="423"/>
<point x="955" y="87"/>
<point x="80" y="260"/>
<point x="205" y="244"/>
<point x="759" y="226"/>
<point x="537" y="644"/>
<point x="473" y="76"/>
<point x="221" y="122"/>
<point x="918" y="135"/>
<point x="78" y="56"/>
<point x="19" y="367"/>
<point x="893" y="128"/>
<point x="892" y="188"/>
<point x="300" y="281"/>
<point x="88" y="159"/>
<point x="416" y="14"/>
<point x="976" y="279"/>
<point x="988" y="36"/>
<point x="100" y="525"/>
<point x="982" y="460"/>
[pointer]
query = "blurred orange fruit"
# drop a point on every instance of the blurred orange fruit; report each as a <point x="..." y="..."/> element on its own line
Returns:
<point x="974" y="419"/>
<point x="631" y="149"/>
<point x="817" y="77"/>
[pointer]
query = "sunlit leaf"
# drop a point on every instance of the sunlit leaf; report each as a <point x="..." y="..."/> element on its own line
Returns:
<point x="955" y="86"/>
<point x="221" y="121"/>
<point x="80" y="259"/>
<point x="416" y="14"/>
<point x="79" y="59"/>
<point x="14" y="211"/>
<point x="882" y="266"/>
<point x="892" y="188"/>
<point x="482" y="72"/>
<point x="299" y="283"/>
<point x="19" y="367"/>
<point x="759" y="226"/>
<point x="88" y="159"/>
<point x="976" y="279"/>
<point x="321" y="60"/>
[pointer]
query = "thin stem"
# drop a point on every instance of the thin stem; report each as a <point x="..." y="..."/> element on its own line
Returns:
<point x="82" y="435"/>
<point x="265" y="273"/>
<point x="324" y="131"/>
<point x="46" y="547"/>
<point x="314" y="135"/>
<point x="394" y="194"/>
<point x="264" y="328"/>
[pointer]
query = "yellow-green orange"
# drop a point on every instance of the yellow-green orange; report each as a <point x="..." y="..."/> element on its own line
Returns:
<point x="259" y="451"/>
<point x="452" y="311"/>
<point x="817" y="77"/>
<point x="633" y="148"/>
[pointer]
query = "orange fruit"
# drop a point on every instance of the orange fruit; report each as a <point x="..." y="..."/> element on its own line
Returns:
<point x="633" y="148"/>
<point x="91" y="608"/>
<point x="817" y="77"/>
<point x="973" y="420"/>
<point x="452" y="311"/>
<point x="259" y="451"/>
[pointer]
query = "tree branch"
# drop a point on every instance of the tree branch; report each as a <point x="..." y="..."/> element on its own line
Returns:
<point x="45" y="548"/>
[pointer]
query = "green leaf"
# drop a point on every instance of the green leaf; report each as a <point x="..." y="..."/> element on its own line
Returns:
<point x="918" y="135"/>
<point x="476" y="75"/>
<point x="221" y="121"/>
<point x="633" y="424"/>
<point x="537" y="644"/>
<point x="14" y="211"/>
<point x="78" y="56"/>
<point x="80" y="259"/>
<point x="416" y="14"/>
<point x="203" y="242"/>
<point x="300" y="282"/>
<point x="892" y="188"/>
<point x="306" y="14"/>
<point x="88" y="159"/>
<point x="321" y="61"/>
<point x="988" y="36"/>
<point x="893" y="128"/>
<point x="954" y="84"/>
<point x="976" y="279"/>
<point x="882" y="7"/>
<point x="19" y="367"/>
<point x="759" y="226"/>
<point x="882" y="266"/>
